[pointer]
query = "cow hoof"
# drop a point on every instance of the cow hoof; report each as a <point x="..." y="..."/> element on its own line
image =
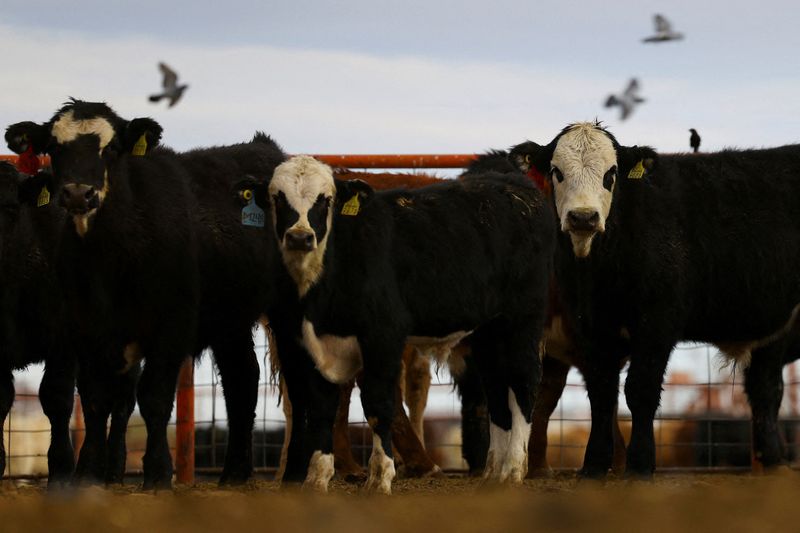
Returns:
<point x="234" y="479"/>
<point x="320" y="472"/>
<point x="591" y="473"/>
<point x="541" y="472"/>
<point x="381" y="474"/>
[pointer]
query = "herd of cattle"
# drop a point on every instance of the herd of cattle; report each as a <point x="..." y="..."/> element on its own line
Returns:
<point x="580" y="252"/>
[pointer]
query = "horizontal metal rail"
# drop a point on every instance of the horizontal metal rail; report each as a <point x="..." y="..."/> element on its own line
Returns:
<point x="393" y="161"/>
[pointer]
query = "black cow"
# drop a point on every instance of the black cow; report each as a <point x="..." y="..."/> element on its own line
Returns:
<point x="32" y="319"/>
<point x="30" y="300"/>
<point x="560" y="352"/>
<point x="485" y="244"/>
<point x="668" y="248"/>
<point x="156" y="262"/>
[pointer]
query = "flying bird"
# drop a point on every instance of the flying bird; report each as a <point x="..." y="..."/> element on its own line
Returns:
<point x="172" y="90"/>
<point x="626" y="101"/>
<point x="694" y="140"/>
<point x="663" y="31"/>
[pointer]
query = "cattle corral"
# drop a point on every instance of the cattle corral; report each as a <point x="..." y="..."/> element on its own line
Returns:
<point x="703" y="461"/>
<point x="703" y="424"/>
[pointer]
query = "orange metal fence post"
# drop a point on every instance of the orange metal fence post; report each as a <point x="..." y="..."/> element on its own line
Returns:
<point x="184" y="431"/>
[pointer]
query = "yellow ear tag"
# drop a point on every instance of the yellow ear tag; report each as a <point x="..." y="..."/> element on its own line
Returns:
<point x="636" y="172"/>
<point x="44" y="197"/>
<point x="140" y="148"/>
<point x="351" y="207"/>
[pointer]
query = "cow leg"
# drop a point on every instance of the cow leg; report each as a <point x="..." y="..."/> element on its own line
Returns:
<point x="523" y="366"/>
<point x="296" y="367"/>
<point x="764" y="387"/>
<point x="618" y="463"/>
<point x="417" y="386"/>
<point x="643" y="394"/>
<point x="156" y="395"/>
<point x="124" y="403"/>
<point x="381" y="372"/>
<point x="416" y="462"/>
<point x="6" y="401"/>
<point x="322" y="407"/>
<point x="601" y="375"/>
<point x="57" y="396"/>
<point x="96" y="393"/>
<point x="239" y="372"/>
<point x="344" y="462"/>
<point x="554" y="379"/>
<point x="474" y="415"/>
<point x="286" y="403"/>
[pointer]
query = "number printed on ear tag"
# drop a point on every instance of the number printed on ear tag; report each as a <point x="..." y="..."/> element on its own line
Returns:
<point x="636" y="172"/>
<point x="252" y="215"/>
<point x="44" y="197"/>
<point x="351" y="207"/>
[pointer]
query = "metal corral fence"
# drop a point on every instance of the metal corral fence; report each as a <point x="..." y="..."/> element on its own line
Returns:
<point x="703" y="422"/>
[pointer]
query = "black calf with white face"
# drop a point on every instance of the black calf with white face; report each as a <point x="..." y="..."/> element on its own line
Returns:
<point x="84" y="140"/>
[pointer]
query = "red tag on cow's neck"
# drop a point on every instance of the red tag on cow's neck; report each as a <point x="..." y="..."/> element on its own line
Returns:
<point x="28" y="162"/>
<point x="540" y="181"/>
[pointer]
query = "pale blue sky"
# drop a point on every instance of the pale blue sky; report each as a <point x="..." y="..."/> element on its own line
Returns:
<point x="372" y="76"/>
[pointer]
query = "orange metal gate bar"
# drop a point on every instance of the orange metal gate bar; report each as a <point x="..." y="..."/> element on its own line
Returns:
<point x="365" y="160"/>
<point x="184" y="408"/>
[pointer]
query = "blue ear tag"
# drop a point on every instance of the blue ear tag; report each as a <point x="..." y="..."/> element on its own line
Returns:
<point x="252" y="215"/>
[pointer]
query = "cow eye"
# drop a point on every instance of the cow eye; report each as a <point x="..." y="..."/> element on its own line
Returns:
<point x="277" y="199"/>
<point x="556" y="174"/>
<point x="608" y="179"/>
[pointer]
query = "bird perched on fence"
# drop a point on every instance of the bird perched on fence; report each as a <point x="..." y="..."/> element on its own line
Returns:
<point x="694" y="140"/>
<point x="626" y="101"/>
<point x="172" y="90"/>
<point x="663" y="31"/>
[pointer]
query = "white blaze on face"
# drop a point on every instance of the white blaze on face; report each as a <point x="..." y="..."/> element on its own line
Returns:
<point x="583" y="155"/>
<point x="67" y="129"/>
<point x="302" y="179"/>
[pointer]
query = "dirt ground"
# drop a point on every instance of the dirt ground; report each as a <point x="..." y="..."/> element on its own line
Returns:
<point x="673" y="502"/>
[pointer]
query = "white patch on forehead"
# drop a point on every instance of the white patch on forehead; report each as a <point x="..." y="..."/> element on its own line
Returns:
<point x="583" y="155"/>
<point x="67" y="129"/>
<point x="302" y="179"/>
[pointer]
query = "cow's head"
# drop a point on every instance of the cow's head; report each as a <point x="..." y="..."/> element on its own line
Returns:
<point x="84" y="140"/>
<point x="583" y="164"/>
<point x="302" y="197"/>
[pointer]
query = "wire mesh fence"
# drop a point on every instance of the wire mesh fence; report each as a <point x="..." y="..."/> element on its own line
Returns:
<point x="703" y="422"/>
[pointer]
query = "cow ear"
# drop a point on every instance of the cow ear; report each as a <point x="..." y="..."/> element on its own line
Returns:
<point x="352" y="195"/>
<point x="141" y="135"/>
<point x="346" y="189"/>
<point x="36" y="190"/>
<point x="24" y="135"/>
<point x="636" y="162"/>
<point x="530" y="155"/>
<point x="250" y="188"/>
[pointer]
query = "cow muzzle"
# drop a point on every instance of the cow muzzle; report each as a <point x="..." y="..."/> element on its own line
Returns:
<point x="79" y="199"/>
<point x="583" y="220"/>
<point x="299" y="240"/>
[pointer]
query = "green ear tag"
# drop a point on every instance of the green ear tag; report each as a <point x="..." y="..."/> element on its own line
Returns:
<point x="351" y="207"/>
<point x="636" y="172"/>
<point x="44" y="197"/>
<point x="140" y="148"/>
